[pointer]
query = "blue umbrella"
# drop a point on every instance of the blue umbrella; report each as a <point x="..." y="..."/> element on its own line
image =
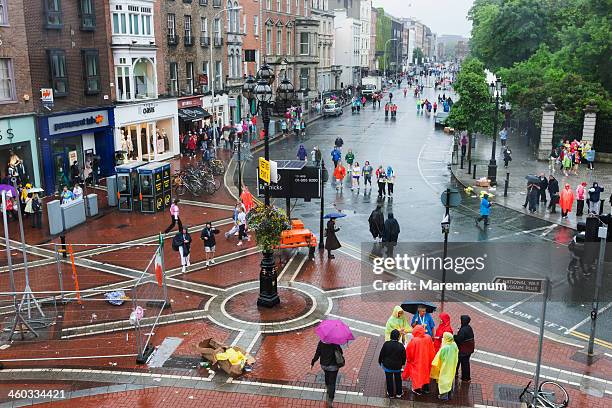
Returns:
<point x="334" y="215"/>
<point x="412" y="306"/>
<point x="10" y="190"/>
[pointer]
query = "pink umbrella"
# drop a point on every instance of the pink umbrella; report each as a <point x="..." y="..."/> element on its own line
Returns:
<point x="334" y="332"/>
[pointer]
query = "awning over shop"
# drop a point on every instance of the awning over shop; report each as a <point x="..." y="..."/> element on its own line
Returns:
<point x="193" y="113"/>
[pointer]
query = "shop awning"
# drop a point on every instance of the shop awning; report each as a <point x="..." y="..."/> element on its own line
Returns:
<point x="193" y="113"/>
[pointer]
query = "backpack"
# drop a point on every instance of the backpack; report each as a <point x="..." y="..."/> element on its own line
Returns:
<point x="176" y="243"/>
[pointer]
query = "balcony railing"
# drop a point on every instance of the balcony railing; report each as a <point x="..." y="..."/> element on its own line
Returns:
<point x="204" y="41"/>
<point x="173" y="39"/>
<point x="218" y="41"/>
<point x="88" y="22"/>
<point x="188" y="40"/>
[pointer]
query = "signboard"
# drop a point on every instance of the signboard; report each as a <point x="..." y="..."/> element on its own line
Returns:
<point x="292" y="183"/>
<point x="203" y="79"/>
<point x="77" y="121"/>
<point x="188" y="102"/>
<point x="521" y="284"/>
<point x="454" y="198"/>
<point x="264" y="170"/>
<point x="46" y="97"/>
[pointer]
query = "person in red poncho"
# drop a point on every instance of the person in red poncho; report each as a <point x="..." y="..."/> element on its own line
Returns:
<point x="247" y="199"/>
<point x="567" y="200"/>
<point x="445" y="326"/>
<point x="419" y="355"/>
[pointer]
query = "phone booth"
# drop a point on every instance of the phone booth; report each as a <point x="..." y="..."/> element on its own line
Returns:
<point x="127" y="185"/>
<point x="167" y="180"/>
<point x="150" y="177"/>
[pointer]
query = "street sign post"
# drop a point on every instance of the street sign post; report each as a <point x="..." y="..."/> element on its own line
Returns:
<point x="264" y="170"/>
<point x="528" y="285"/>
<point x="449" y="198"/>
<point x="454" y="197"/>
<point x="294" y="183"/>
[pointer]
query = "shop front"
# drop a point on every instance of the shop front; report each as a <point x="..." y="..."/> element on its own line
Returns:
<point x="191" y="115"/>
<point x="219" y="108"/>
<point x="146" y="131"/>
<point x="84" y="137"/>
<point x="18" y="149"/>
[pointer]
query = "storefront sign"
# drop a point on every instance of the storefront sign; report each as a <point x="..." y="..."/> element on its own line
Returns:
<point x="77" y="122"/>
<point x="9" y="134"/>
<point x="147" y="108"/>
<point x="46" y="97"/>
<point x="136" y="113"/>
<point x="203" y="79"/>
<point x="189" y="102"/>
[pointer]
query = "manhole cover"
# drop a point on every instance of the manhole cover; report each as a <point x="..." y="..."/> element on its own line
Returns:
<point x="188" y="363"/>
<point x="507" y="393"/>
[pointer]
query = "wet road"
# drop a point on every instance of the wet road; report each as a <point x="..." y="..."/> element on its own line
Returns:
<point x="419" y="155"/>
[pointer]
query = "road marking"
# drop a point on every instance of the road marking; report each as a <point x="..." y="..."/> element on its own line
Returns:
<point x="67" y="358"/>
<point x="252" y="343"/>
<point x="290" y="387"/>
<point x="520" y="302"/>
<point x="280" y="275"/>
<point x="548" y="230"/>
<point x="587" y="319"/>
<point x="298" y="270"/>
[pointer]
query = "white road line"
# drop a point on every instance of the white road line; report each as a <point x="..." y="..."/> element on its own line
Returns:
<point x="290" y="387"/>
<point x="548" y="230"/>
<point x="280" y="275"/>
<point x="237" y="339"/>
<point x="520" y="302"/>
<point x="357" y="321"/>
<point x="298" y="270"/>
<point x="252" y="343"/>
<point x="67" y="358"/>
<point x="587" y="319"/>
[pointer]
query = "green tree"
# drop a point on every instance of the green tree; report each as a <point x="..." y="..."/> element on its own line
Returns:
<point x="417" y="55"/>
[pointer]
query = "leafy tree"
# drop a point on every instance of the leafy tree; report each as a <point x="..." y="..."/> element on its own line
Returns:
<point x="417" y="55"/>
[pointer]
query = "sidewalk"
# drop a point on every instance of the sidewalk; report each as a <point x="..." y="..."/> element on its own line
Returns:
<point x="523" y="163"/>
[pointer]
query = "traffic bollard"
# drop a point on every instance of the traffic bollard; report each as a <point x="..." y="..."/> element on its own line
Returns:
<point x="474" y="173"/>
<point x="63" y="246"/>
<point x="506" y="184"/>
<point x="461" y="162"/>
<point x="470" y="166"/>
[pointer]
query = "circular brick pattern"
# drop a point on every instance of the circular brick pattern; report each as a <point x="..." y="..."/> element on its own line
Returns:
<point x="293" y="305"/>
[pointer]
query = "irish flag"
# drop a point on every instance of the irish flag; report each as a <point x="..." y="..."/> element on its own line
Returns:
<point x="159" y="271"/>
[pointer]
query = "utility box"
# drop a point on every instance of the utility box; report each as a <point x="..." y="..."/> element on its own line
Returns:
<point x="54" y="216"/>
<point x="91" y="207"/>
<point x="111" y="191"/>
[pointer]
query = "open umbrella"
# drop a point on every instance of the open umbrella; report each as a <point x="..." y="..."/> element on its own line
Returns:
<point x="334" y="332"/>
<point x="10" y="190"/>
<point x="334" y="215"/>
<point x="412" y="306"/>
<point x="35" y="190"/>
<point x="532" y="178"/>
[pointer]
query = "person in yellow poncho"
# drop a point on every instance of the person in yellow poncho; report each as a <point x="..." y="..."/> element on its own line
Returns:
<point x="398" y="322"/>
<point x="444" y="365"/>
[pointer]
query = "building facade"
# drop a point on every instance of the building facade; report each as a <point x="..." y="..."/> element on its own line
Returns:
<point x="365" y="16"/>
<point x="18" y="144"/>
<point x="347" y="48"/>
<point x="68" y="52"/>
<point x="325" y="17"/>
<point x="372" y="55"/>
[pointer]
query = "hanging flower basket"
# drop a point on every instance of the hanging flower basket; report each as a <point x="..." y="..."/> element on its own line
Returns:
<point x="268" y="224"/>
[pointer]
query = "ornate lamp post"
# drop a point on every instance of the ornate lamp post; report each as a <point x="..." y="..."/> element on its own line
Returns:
<point x="498" y="92"/>
<point x="262" y="93"/>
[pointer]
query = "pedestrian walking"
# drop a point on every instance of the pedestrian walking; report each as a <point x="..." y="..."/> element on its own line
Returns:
<point x="339" y="174"/>
<point x="283" y="123"/>
<point x="553" y="192"/>
<point x="552" y="160"/>
<point x="208" y="237"/>
<point x="419" y="355"/>
<point x="377" y="223"/>
<point x="580" y="197"/>
<point x="336" y="155"/>
<point x="589" y="156"/>
<point x="301" y="153"/>
<point x="465" y="342"/>
<point x="349" y="158"/>
<point x="366" y="171"/>
<point x="246" y="198"/>
<point x="328" y="356"/>
<point x="444" y="366"/>
<point x="391" y="230"/>
<point x="331" y="241"/>
<point x="463" y="142"/>
<point x="567" y="163"/>
<point x="381" y="179"/>
<point x="485" y="210"/>
<point x="503" y="136"/>
<point x="356" y="174"/>
<point x="241" y="222"/>
<point x="36" y="211"/>
<point x="392" y="358"/>
<point x="566" y="200"/>
<point x="399" y="322"/>
<point x="507" y="156"/>
<point x="543" y="187"/>
<point x="174" y="217"/>
<point x="595" y="198"/>
<point x="390" y="180"/>
<point x="533" y="193"/>
<point x="443" y="327"/>
<point x="422" y="318"/>
<point x="182" y="243"/>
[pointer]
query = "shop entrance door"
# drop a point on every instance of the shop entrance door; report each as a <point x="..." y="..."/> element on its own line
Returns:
<point x="65" y="152"/>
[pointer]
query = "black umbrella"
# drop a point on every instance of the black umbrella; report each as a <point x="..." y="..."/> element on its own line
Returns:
<point x="532" y="179"/>
<point x="412" y="307"/>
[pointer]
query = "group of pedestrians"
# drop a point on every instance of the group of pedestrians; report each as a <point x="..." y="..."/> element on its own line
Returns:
<point x="569" y="155"/>
<point x="357" y="172"/>
<point x="383" y="230"/>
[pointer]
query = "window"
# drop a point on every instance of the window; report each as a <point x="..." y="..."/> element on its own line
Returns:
<point x="53" y="14"/>
<point x="297" y="7"/>
<point x="171" y="25"/>
<point x="88" y="15"/>
<point x="205" y="72"/>
<point x="268" y="4"/>
<point x="289" y="47"/>
<point x="230" y="63"/>
<point x="7" y="80"/>
<point x="203" y="2"/>
<point x="124" y="88"/>
<point x="3" y="13"/>
<point x="189" y="77"/>
<point x="278" y="6"/>
<point x="218" y="74"/>
<point x="217" y="29"/>
<point x="244" y="24"/>
<point x="288" y="6"/>
<point x="236" y="17"/>
<point x="91" y="72"/>
<point x="134" y="24"/>
<point x="57" y="68"/>
<point x="304" y="74"/>
<point x="216" y="3"/>
<point x="188" y="37"/>
<point x="256" y="25"/>
<point x="173" y="78"/>
<point x="230" y="17"/>
<point x="268" y="41"/>
<point x="304" y="44"/>
<point x="204" y="22"/>
<point x="279" y="41"/>
<point x="146" y="24"/>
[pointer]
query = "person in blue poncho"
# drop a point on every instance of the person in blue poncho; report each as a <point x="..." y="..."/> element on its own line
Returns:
<point x="424" y="319"/>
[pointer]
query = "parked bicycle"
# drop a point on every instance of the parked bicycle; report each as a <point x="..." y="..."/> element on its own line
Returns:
<point x="196" y="179"/>
<point x="549" y="395"/>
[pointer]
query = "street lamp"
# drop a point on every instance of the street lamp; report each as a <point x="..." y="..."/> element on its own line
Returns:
<point x="498" y="92"/>
<point x="211" y="67"/>
<point x="385" y="53"/>
<point x="262" y="93"/>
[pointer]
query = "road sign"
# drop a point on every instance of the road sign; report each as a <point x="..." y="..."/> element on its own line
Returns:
<point x="454" y="198"/>
<point x="295" y="183"/>
<point x="264" y="170"/>
<point x="521" y="284"/>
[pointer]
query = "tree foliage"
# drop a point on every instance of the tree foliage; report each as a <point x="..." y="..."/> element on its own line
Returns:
<point x="417" y="55"/>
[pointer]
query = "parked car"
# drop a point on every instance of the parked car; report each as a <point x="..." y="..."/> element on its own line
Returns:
<point x="332" y="109"/>
<point x="440" y="120"/>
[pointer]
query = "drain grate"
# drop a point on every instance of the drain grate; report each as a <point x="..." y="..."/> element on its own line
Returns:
<point x="188" y="363"/>
<point x="507" y="393"/>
